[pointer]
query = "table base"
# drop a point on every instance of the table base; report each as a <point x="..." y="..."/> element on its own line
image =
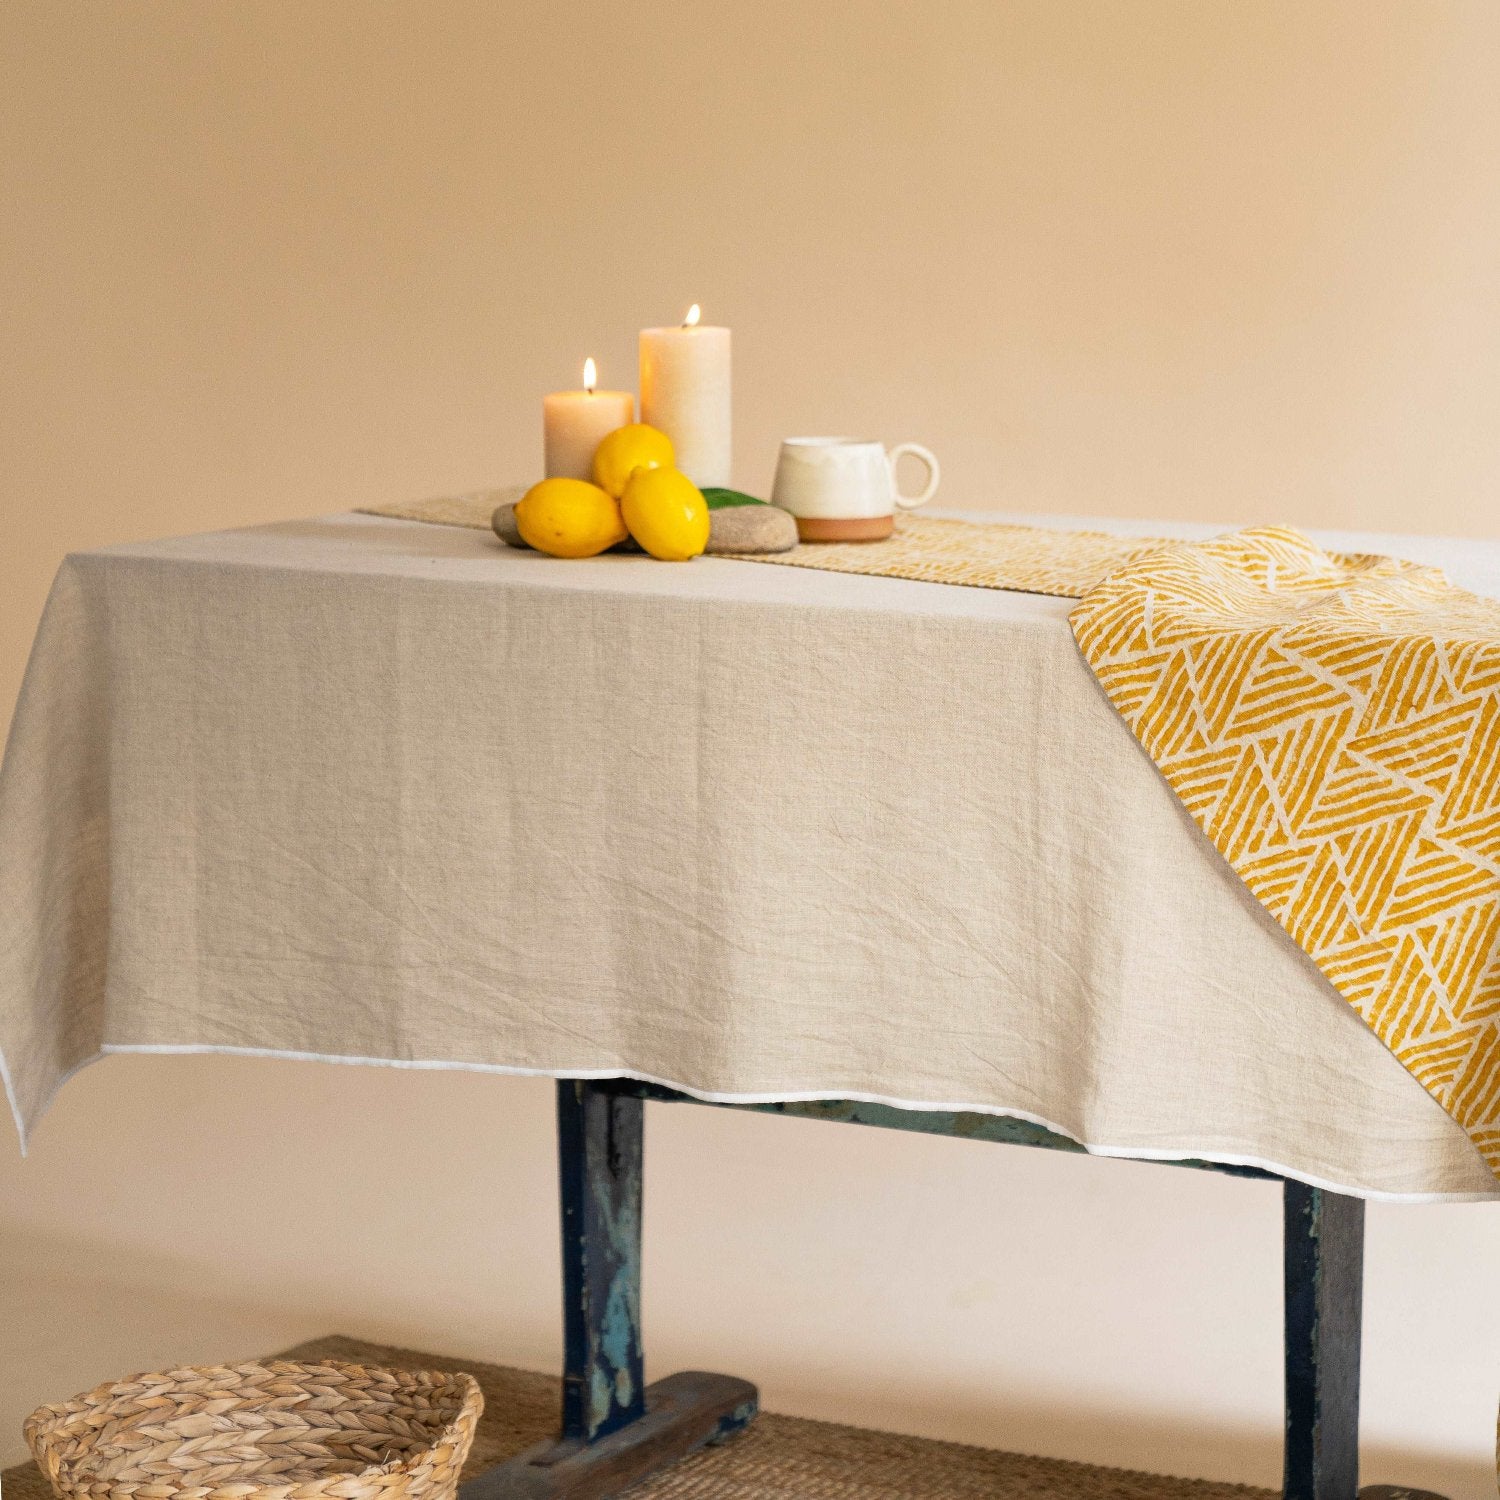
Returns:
<point x="616" y="1430"/>
<point x="684" y="1412"/>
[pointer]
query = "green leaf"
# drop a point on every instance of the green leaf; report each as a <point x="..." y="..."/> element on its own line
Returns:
<point x="722" y="499"/>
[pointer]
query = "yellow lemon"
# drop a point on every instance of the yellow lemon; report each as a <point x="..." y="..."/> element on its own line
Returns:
<point x="627" y="449"/>
<point x="569" y="518"/>
<point x="666" y="514"/>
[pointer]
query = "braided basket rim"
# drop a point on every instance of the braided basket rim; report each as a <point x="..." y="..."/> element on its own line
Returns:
<point x="43" y="1428"/>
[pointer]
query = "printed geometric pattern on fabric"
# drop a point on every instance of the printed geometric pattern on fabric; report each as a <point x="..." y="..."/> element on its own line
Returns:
<point x="1333" y="725"/>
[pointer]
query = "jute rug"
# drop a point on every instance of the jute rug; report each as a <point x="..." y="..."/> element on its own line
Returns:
<point x="779" y="1458"/>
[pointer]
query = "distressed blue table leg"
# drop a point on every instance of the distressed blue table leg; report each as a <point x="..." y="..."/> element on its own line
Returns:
<point x="599" y="1140"/>
<point x="1324" y="1239"/>
<point x="616" y="1430"/>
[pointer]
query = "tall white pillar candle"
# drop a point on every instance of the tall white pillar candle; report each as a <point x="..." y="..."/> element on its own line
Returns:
<point x="573" y="422"/>
<point x="685" y="392"/>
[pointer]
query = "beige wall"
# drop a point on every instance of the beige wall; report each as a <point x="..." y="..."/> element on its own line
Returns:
<point x="1170" y="257"/>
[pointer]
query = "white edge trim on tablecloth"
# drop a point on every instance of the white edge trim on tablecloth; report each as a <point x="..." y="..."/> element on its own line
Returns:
<point x="10" y="1099"/>
<point x="15" y="1105"/>
<point x="710" y="1096"/>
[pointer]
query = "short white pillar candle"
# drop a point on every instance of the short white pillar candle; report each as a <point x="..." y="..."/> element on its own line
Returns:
<point x="685" y="393"/>
<point x="573" y="422"/>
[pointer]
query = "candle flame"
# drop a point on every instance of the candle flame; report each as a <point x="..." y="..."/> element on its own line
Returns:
<point x="691" y="321"/>
<point x="590" y="376"/>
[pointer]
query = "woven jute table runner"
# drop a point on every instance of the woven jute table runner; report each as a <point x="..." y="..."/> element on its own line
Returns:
<point x="926" y="549"/>
<point x="778" y="1458"/>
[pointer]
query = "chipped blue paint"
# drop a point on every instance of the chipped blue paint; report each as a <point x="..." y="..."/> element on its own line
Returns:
<point x="599" y="1158"/>
<point x="620" y="1328"/>
<point x="601" y="1398"/>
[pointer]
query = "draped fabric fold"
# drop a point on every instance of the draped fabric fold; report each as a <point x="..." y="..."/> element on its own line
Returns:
<point x="1330" y="720"/>
<point x="365" y="790"/>
<point x="1332" y="724"/>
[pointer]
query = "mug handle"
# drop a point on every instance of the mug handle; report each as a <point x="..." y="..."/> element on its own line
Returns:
<point x="910" y="502"/>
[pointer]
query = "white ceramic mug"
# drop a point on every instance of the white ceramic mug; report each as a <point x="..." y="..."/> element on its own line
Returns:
<point x="844" y="489"/>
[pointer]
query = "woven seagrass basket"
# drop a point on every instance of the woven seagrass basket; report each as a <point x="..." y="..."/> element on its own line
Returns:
<point x="269" y="1430"/>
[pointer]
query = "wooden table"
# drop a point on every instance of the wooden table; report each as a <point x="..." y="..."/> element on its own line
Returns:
<point x="184" y="833"/>
<point x="615" y="1429"/>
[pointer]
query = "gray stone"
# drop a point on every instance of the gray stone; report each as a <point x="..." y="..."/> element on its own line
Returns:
<point x="751" y="528"/>
<point x="504" y="522"/>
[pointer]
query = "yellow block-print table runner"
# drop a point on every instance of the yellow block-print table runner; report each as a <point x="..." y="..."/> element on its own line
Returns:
<point x="1331" y="723"/>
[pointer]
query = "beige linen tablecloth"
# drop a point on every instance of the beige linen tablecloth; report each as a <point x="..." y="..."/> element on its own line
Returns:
<point x="376" y="791"/>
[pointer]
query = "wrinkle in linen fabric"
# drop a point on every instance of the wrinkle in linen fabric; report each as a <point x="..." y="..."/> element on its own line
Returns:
<point x="1332" y="724"/>
<point x="370" y="791"/>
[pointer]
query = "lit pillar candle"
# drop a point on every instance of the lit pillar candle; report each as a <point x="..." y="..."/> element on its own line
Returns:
<point x="685" y="392"/>
<point x="573" y="422"/>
